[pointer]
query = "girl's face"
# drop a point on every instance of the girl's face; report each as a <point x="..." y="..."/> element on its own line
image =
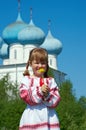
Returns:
<point x="36" y="65"/>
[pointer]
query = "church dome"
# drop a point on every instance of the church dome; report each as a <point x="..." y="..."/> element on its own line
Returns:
<point x="52" y="45"/>
<point x="4" y="51"/>
<point x="1" y="41"/>
<point x="10" y="33"/>
<point x="31" y="35"/>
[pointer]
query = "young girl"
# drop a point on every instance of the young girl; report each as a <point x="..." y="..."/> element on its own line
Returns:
<point x="41" y="94"/>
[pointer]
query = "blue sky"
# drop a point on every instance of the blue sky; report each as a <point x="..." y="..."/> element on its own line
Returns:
<point x="68" y="24"/>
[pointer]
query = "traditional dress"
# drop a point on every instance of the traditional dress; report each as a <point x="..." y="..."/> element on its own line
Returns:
<point x="39" y="113"/>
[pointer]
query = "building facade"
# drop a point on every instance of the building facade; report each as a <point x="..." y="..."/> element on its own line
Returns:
<point x="18" y="39"/>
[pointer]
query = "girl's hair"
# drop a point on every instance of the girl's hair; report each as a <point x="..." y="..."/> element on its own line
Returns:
<point x="38" y="54"/>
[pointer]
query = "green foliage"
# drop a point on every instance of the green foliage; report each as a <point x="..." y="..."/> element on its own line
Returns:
<point x="70" y="111"/>
<point x="50" y="72"/>
<point x="11" y="107"/>
<point x="82" y="101"/>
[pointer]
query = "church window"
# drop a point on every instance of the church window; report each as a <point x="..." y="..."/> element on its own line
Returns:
<point x="15" y="54"/>
<point x="50" y="61"/>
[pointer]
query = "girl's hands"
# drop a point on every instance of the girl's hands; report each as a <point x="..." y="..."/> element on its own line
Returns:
<point x="45" y="90"/>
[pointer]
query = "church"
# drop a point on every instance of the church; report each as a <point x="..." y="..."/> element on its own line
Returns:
<point x="18" y="39"/>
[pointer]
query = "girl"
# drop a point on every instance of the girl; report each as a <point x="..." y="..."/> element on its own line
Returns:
<point x="40" y="92"/>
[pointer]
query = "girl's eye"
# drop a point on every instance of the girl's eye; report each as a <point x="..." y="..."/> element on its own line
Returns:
<point x="37" y="63"/>
<point x="42" y="63"/>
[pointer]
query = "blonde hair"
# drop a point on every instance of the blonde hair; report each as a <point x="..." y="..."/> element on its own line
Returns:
<point x="38" y="54"/>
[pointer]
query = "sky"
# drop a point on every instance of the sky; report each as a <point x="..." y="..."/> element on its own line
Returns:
<point x="68" y="24"/>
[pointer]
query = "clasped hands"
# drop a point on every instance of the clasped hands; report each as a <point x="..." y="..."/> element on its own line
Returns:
<point x="45" y="90"/>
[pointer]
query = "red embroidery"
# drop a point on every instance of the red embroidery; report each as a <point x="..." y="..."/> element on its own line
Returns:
<point x="41" y="81"/>
<point x="37" y="126"/>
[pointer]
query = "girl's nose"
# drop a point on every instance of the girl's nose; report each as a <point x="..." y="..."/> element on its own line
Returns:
<point x="40" y="64"/>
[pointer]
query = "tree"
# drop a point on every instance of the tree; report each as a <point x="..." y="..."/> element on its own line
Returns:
<point x="11" y="107"/>
<point x="82" y="102"/>
<point x="70" y="110"/>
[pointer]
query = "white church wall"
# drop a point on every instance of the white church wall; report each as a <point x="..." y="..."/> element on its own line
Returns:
<point x="15" y="72"/>
<point x="27" y="49"/>
<point x="53" y="62"/>
<point x="5" y="61"/>
<point x="16" y="54"/>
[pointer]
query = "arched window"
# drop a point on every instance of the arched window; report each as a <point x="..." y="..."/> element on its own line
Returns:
<point x="50" y="61"/>
<point x="15" y="54"/>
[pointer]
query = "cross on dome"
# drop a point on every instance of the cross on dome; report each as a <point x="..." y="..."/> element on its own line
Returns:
<point x="31" y="13"/>
<point x="18" y="5"/>
<point x="49" y="23"/>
